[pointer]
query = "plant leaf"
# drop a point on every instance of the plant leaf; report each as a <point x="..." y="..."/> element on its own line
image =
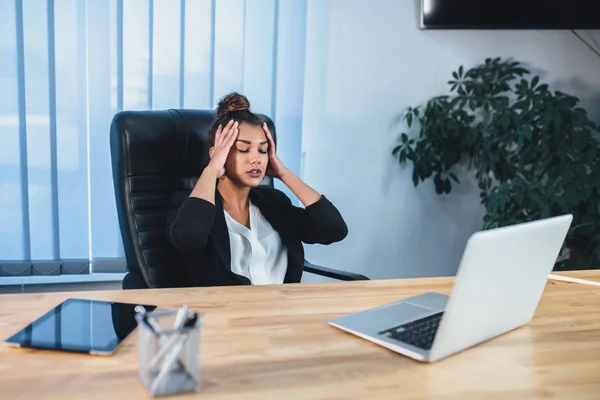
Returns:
<point x="447" y="186"/>
<point x="527" y="132"/>
<point x="522" y="105"/>
<point x="402" y="157"/>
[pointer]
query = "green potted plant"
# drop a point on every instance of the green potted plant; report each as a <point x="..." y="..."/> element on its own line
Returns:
<point x="534" y="151"/>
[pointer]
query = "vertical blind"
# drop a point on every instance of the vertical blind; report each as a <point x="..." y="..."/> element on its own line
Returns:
<point x="67" y="66"/>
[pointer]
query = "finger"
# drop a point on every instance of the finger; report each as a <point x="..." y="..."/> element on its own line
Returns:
<point x="218" y="135"/>
<point x="229" y="139"/>
<point x="227" y="132"/>
<point x="269" y="138"/>
<point x="266" y="129"/>
<point x="233" y="132"/>
<point x="268" y="133"/>
<point x="228" y="127"/>
<point x="233" y="137"/>
<point x="221" y="136"/>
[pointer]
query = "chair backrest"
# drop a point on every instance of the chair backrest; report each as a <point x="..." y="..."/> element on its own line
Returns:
<point x="154" y="155"/>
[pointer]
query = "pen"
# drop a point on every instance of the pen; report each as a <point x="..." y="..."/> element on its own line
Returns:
<point x="155" y="328"/>
<point x="180" y="320"/>
<point x="175" y="348"/>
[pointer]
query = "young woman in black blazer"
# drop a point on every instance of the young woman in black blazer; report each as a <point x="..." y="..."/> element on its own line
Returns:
<point x="236" y="232"/>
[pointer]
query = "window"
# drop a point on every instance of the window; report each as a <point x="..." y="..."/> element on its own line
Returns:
<point x="67" y="66"/>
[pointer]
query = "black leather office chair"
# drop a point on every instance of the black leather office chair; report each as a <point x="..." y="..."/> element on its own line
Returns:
<point x="154" y="154"/>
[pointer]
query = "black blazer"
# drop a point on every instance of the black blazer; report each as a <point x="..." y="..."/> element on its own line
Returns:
<point x="198" y="230"/>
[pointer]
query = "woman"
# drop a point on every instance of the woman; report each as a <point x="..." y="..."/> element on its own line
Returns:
<point x="237" y="232"/>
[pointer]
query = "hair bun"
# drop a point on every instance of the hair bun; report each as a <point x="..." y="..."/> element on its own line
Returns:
<point x="231" y="103"/>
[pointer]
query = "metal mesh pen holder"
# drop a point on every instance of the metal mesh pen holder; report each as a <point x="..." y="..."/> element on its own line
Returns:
<point x="169" y="351"/>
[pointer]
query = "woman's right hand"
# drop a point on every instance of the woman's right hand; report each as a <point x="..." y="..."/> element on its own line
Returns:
<point x="224" y="139"/>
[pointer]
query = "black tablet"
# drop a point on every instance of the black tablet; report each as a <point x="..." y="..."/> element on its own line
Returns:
<point x="84" y="326"/>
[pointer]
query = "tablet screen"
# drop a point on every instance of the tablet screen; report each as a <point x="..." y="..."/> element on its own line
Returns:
<point x="90" y="326"/>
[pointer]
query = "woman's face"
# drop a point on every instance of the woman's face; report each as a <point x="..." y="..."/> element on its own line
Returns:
<point x="248" y="159"/>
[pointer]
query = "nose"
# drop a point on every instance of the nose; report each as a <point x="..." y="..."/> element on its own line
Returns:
<point x="256" y="159"/>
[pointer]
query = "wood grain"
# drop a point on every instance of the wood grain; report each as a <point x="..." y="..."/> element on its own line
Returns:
<point x="273" y="342"/>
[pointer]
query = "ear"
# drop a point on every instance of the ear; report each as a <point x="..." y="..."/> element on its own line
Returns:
<point x="211" y="151"/>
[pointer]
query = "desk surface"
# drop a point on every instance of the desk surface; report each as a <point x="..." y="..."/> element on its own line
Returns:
<point x="588" y="275"/>
<point x="274" y="342"/>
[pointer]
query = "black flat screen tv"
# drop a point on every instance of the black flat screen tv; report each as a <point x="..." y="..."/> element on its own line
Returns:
<point x="510" y="14"/>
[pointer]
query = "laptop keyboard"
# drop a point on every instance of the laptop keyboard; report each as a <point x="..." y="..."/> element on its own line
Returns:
<point x="419" y="333"/>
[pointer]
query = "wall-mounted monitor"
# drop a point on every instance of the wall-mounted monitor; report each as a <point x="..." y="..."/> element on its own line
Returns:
<point x="510" y="14"/>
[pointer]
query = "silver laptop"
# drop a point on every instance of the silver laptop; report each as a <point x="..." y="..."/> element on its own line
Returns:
<point x="498" y="286"/>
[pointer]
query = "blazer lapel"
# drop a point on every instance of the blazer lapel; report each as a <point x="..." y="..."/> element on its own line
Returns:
<point x="268" y="212"/>
<point x="220" y="233"/>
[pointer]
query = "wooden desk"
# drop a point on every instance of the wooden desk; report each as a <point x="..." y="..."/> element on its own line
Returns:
<point x="587" y="275"/>
<point x="275" y="343"/>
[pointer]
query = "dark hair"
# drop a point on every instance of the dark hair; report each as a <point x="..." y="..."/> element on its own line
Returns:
<point x="233" y="106"/>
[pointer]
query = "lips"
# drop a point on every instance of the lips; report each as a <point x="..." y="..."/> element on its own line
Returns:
<point x="255" y="173"/>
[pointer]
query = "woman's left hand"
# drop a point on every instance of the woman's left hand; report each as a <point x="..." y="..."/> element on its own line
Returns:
<point x="276" y="168"/>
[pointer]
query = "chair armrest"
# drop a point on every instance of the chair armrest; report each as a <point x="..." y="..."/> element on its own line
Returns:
<point x="333" y="273"/>
<point x="132" y="280"/>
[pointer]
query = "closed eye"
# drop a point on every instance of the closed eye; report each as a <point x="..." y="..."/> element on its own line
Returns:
<point x="262" y="151"/>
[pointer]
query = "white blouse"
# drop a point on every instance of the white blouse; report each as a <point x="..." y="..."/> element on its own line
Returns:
<point x="256" y="253"/>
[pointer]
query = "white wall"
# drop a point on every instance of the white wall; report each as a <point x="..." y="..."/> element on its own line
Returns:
<point x="366" y="61"/>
